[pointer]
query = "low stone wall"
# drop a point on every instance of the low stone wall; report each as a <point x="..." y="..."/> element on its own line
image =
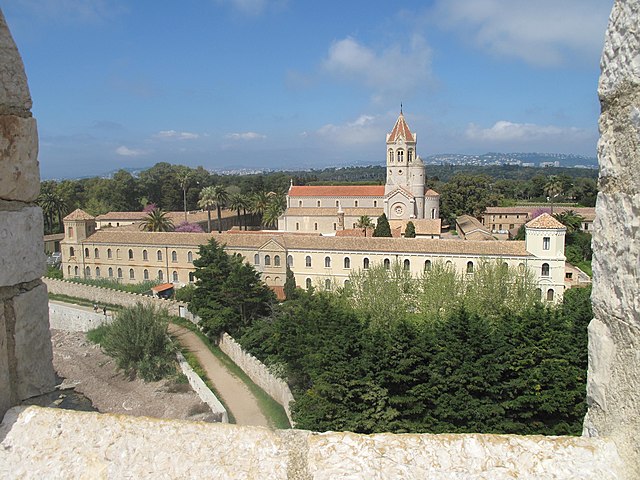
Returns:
<point x="205" y="394"/>
<point x="114" y="297"/>
<point x="70" y="319"/>
<point x="258" y="373"/>
<point x="52" y="443"/>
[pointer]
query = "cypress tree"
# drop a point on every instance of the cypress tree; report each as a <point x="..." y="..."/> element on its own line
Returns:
<point x="290" y="285"/>
<point x="410" y="230"/>
<point x="383" y="229"/>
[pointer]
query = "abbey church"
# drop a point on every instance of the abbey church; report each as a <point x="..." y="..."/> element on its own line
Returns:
<point x="328" y="209"/>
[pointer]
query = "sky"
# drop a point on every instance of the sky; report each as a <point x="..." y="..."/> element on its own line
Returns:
<point x="272" y="84"/>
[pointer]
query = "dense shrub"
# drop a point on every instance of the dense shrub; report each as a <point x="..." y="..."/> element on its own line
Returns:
<point x="138" y="340"/>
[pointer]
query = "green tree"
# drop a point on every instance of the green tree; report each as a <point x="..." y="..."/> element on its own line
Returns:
<point x="184" y="177"/>
<point x="259" y="203"/>
<point x="364" y="223"/>
<point x="290" y="285"/>
<point x="221" y="198"/>
<point x="467" y="194"/>
<point x="410" y="230"/>
<point x="239" y="203"/>
<point x="383" y="229"/>
<point x="157" y="221"/>
<point x="207" y="201"/>
<point x="229" y="294"/>
<point x="552" y="188"/>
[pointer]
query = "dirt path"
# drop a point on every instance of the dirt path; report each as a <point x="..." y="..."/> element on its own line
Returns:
<point x="235" y="394"/>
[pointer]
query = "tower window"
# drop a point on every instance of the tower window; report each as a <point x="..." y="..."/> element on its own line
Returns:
<point x="327" y="262"/>
<point x="545" y="270"/>
<point x="391" y="156"/>
<point x="409" y="156"/>
<point x="307" y="261"/>
<point x="546" y="243"/>
<point x="400" y="156"/>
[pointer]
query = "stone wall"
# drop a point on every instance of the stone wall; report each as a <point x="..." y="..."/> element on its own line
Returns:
<point x="63" y="317"/>
<point x="258" y="373"/>
<point x="613" y="386"/>
<point x="25" y="345"/>
<point x="204" y="392"/>
<point x="114" y="297"/>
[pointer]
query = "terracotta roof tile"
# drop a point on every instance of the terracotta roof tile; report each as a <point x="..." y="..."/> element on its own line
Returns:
<point x="78" y="214"/>
<point x="431" y="193"/>
<point x="424" y="226"/>
<point x="544" y="221"/>
<point x="336" y="191"/>
<point x="401" y="130"/>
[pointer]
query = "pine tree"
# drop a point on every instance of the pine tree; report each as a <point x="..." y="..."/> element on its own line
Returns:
<point x="383" y="229"/>
<point x="410" y="230"/>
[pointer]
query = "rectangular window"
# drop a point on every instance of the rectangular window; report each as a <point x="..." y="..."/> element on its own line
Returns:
<point x="546" y="243"/>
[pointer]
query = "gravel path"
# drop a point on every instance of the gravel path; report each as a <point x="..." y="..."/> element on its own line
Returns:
<point x="235" y="394"/>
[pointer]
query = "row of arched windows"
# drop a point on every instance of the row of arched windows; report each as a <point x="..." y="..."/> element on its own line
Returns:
<point x="130" y="254"/>
<point x="400" y="155"/>
<point x="175" y="277"/>
<point x="267" y="260"/>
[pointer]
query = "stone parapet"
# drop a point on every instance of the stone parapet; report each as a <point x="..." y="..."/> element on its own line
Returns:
<point x="50" y="443"/>
<point x="20" y="177"/>
<point x="21" y="245"/>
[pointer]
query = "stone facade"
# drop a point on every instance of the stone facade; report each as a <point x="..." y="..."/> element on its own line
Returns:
<point x="613" y="388"/>
<point x="25" y="345"/>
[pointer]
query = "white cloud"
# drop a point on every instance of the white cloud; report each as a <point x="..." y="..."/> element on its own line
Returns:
<point x="395" y="70"/>
<point x="246" y="136"/>
<point x="365" y="129"/>
<point x="541" y="32"/>
<point x="509" y="132"/>
<point x="130" y="152"/>
<point x="175" y="135"/>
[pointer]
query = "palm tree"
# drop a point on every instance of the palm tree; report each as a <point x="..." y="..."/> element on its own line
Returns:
<point x="183" y="178"/>
<point x="553" y="188"/>
<point x="207" y="201"/>
<point x="239" y="202"/>
<point x="221" y="197"/>
<point x="259" y="203"/>
<point x="571" y="220"/>
<point x="364" y="222"/>
<point x="157" y="221"/>
<point x="272" y="213"/>
<point x="46" y="202"/>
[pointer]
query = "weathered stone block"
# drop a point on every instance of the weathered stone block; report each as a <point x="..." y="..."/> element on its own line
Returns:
<point x="14" y="91"/>
<point x="33" y="352"/>
<point x="5" y="381"/>
<point x="19" y="172"/>
<point x="21" y="245"/>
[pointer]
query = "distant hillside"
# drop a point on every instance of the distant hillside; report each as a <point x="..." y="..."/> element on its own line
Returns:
<point x="492" y="158"/>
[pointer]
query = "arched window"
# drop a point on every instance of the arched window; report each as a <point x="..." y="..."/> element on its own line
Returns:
<point x="72" y="252"/>
<point x="267" y="259"/>
<point x="308" y="283"/>
<point x="375" y="203"/>
<point x="109" y="253"/>
<point x="327" y="284"/>
<point x="327" y="262"/>
<point x="297" y="226"/>
<point x="550" y="295"/>
<point x="290" y="260"/>
<point x="97" y="271"/>
<point x="337" y="203"/>
<point x="256" y="259"/>
<point x="132" y="274"/>
<point x="276" y="261"/>
<point x="307" y="261"/>
<point x="145" y="274"/>
<point x="545" y="270"/>
<point x="70" y="231"/>
<point x="539" y="292"/>
<point x="449" y="264"/>
<point x="407" y="264"/>
<point x="521" y="268"/>
<point x="347" y="262"/>
<point x="86" y="253"/>
<point x="119" y="273"/>
<point x="365" y="264"/>
<point x="130" y="254"/>
<point x="390" y="156"/>
<point x="189" y="257"/>
<point x="69" y="270"/>
<point x="469" y="267"/>
<point x="160" y="275"/>
<point x="76" y="270"/>
<point x="410" y="155"/>
<point x="356" y="203"/>
<point x="346" y="282"/>
<point x="174" y="256"/>
<point x="110" y="272"/>
<point x="299" y="203"/>
<point x="400" y="156"/>
<point x="87" y="272"/>
<point x="387" y="264"/>
<point x="315" y="226"/>
<point x="117" y="253"/>
<point x="96" y="253"/>
<point x="427" y="265"/>
<point x="159" y="255"/>
<point x="145" y="255"/>
<point x="318" y="203"/>
<point x="175" y="276"/>
<point x="192" y="277"/>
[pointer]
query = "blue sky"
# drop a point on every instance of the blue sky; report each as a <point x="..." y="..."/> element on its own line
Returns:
<point x="304" y="84"/>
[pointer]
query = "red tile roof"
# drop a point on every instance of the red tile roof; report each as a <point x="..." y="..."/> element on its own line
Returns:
<point x="545" y="221"/>
<point x="78" y="214"/>
<point x="401" y="130"/>
<point x="337" y="191"/>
